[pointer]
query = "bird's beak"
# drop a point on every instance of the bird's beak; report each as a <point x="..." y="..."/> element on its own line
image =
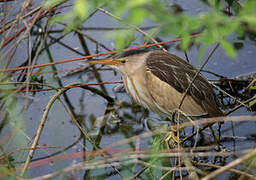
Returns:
<point x="106" y="62"/>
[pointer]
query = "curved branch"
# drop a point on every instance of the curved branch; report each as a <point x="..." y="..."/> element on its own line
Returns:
<point x="45" y="115"/>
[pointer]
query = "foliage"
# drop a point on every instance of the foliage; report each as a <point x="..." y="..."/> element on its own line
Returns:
<point x="253" y="102"/>
<point x="224" y="19"/>
<point x="157" y="146"/>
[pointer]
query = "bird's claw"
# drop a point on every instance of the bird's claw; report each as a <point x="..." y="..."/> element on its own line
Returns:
<point x="173" y="137"/>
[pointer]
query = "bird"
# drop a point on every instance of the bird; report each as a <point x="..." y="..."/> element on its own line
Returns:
<point x="158" y="80"/>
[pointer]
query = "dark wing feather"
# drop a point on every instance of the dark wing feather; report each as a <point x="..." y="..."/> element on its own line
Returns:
<point x="178" y="73"/>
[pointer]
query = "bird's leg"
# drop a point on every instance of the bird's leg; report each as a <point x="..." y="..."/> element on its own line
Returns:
<point x="216" y="139"/>
<point x="174" y="137"/>
<point x="219" y="132"/>
<point x="174" y="134"/>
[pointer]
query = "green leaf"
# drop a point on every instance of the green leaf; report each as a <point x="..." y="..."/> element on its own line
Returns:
<point x="157" y="147"/>
<point x="33" y="77"/>
<point x="137" y="15"/>
<point x="249" y="7"/>
<point x="151" y="34"/>
<point x="136" y="3"/>
<point x="122" y="38"/>
<point x="80" y="8"/>
<point x="228" y="48"/>
<point x="236" y="6"/>
<point x="185" y="41"/>
<point x="61" y="18"/>
<point x="250" y="19"/>
<point x="201" y="52"/>
<point x="253" y="102"/>
<point x="52" y="3"/>
<point x="253" y="87"/>
<point x="125" y="39"/>
<point x="73" y="25"/>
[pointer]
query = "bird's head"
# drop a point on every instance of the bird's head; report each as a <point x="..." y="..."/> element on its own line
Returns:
<point x="126" y="65"/>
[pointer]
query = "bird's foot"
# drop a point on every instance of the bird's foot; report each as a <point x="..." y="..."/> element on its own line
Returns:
<point x="172" y="138"/>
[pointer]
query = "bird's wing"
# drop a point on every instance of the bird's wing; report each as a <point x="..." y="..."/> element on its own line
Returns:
<point x="178" y="73"/>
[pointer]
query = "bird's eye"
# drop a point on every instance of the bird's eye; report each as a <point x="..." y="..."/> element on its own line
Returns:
<point x="123" y="61"/>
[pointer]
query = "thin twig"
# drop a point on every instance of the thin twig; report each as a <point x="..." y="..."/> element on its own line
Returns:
<point x="80" y="166"/>
<point x="94" y="55"/>
<point x="224" y="92"/>
<point x="41" y="126"/>
<point x="197" y="73"/>
<point x="239" y="105"/>
<point x="231" y="169"/>
<point x="133" y="26"/>
<point x="230" y="165"/>
<point x="11" y="23"/>
<point x="94" y="41"/>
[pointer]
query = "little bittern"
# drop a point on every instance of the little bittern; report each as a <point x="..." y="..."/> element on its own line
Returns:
<point x="158" y="80"/>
